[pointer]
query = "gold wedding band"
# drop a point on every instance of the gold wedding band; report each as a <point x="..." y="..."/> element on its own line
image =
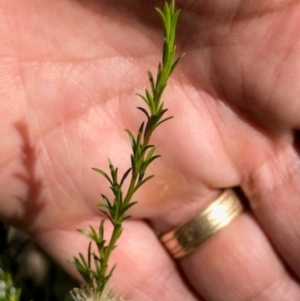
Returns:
<point x="184" y="239"/>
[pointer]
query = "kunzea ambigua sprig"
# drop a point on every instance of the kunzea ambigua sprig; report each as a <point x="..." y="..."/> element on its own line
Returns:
<point x="94" y="269"/>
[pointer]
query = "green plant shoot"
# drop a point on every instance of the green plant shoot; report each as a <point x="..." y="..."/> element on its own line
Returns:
<point x="94" y="268"/>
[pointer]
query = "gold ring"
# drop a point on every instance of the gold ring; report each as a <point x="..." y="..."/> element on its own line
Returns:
<point x="184" y="239"/>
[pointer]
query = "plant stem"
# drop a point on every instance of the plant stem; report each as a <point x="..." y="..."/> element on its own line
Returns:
<point x="94" y="269"/>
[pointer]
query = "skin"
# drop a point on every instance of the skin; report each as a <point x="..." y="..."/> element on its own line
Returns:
<point x="68" y="74"/>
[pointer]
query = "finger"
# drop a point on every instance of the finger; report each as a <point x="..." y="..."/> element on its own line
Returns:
<point x="242" y="52"/>
<point x="144" y="271"/>
<point x="274" y="190"/>
<point x="239" y="263"/>
<point x="242" y="265"/>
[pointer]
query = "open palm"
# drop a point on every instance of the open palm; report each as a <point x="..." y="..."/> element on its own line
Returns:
<point x="68" y="74"/>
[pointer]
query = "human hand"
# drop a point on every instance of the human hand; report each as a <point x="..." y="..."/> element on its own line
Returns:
<point x="69" y="73"/>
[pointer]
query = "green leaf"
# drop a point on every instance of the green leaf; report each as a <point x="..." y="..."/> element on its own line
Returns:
<point x="143" y="98"/>
<point x="103" y="174"/>
<point x="126" y="217"/>
<point x="106" y="204"/>
<point x="81" y="269"/>
<point x="125" y="176"/>
<point x="127" y="207"/>
<point x="148" y="162"/>
<point x="166" y="54"/>
<point x="162" y="16"/>
<point x="133" y="164"/>
<point x="164" y="120"/>
<point x="111" y="271"/>
<point x="84" y="232"/>
<point x="83" y="260"/>
<point x="151" y="102"/>
<point x="174" y="65"/>
<point x="139" y="184"/>
<point x="132" y="138"/>
<point x="89" y="254"/>
<point x="113" y="172"/>
<point x="140" y="134"/>
<point x="151" y="80"/>
<point x="144" y="111"/>
<point x="115" y="189"/>
<point x="108" y="215"/>
<point x="145" y="149"/>
<point x="160" y="113"/>
<point x="151" y="153"/>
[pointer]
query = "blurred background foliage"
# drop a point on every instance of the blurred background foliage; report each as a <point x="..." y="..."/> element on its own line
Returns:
<point x="27" y="273"/>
